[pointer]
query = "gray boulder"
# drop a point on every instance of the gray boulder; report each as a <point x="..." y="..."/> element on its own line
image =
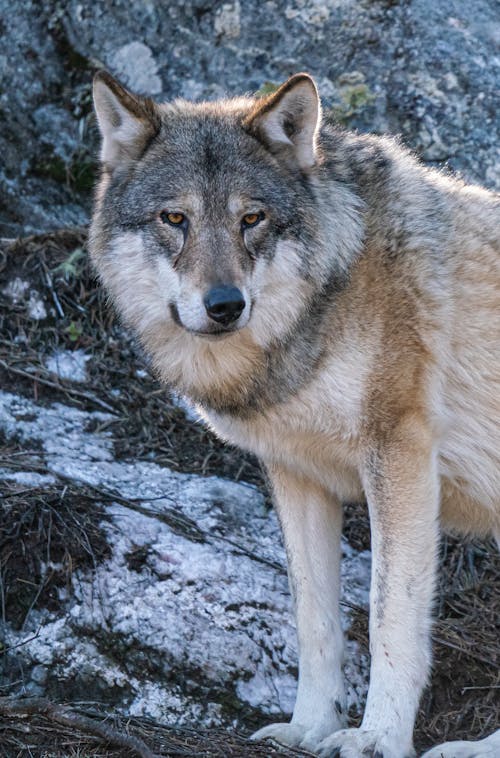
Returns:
<point x="426" y="70"/>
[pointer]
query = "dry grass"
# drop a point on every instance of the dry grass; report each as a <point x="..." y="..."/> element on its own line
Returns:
<point x="45" y="535"/>
<point x="58" y="525"/>
<point x="43" y="737"/>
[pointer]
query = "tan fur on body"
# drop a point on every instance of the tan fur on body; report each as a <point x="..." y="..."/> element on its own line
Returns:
<point x="365" y="362"/>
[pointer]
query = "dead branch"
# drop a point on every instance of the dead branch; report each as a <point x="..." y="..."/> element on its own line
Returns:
<point x="63" y="388"/>
<point x="60" y="714"/>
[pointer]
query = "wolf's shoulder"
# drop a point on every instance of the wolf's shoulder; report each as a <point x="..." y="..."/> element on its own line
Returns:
<point x="370" y="160"/>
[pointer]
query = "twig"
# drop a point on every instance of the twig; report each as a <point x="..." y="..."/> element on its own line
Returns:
<point x="54" y="294"/>
<point x="20" y="644"/>
<point x="486" y="687"/>
<point x="54" y="385"/>
<point x="2" y="597"/>
<point x="462" y="650"/>
<point x="63" y="715"/>
<point x="177" y="522"/>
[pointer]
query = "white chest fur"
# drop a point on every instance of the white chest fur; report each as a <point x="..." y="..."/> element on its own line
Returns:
<point x="314" y="433"/>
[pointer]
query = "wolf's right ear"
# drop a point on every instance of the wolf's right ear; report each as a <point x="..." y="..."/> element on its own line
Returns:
<point x="126" y="122"/>
<point x="288" y="121"/>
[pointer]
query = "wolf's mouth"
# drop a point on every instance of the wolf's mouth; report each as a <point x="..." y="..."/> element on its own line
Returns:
<point x="217" y="334"/>
<point x="212" y="333"/>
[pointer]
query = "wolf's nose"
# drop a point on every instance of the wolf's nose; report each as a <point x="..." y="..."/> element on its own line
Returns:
<point x="224" y="304"/>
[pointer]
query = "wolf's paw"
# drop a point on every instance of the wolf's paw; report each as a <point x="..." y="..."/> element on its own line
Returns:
<point x="487" y="748"/>
<point x="358" y="743"/>
<point x="286" y="734"/>
<point x="294" y="735"/>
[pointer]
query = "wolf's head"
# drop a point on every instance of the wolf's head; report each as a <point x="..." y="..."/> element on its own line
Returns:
<point x="212" y="227"/>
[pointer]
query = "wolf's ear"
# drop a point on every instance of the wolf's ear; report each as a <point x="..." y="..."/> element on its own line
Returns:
<point x="126" y="122"/>
<point x="287" y="121"/>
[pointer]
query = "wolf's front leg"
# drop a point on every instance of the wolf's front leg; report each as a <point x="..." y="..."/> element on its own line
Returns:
<point x="311" y="520"/>
<point x="401" y="484"/>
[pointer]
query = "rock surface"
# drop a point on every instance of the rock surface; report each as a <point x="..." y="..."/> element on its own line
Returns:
<point x="427" y="70"/>
<point x="188" y="618"/>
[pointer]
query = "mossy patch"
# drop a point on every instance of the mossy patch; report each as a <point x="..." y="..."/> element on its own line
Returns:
<point x="267" y="88"/>
<point x="353" y="98"/>
<point x="78" y="173"/>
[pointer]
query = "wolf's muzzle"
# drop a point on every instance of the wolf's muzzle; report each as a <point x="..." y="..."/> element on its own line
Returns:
<point x="224" y="304"/>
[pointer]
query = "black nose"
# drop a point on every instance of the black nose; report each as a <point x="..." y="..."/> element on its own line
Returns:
<point x="224" y="304"/>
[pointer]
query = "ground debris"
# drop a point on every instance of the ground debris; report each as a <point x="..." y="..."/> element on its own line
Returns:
<point x="53" y="727"/>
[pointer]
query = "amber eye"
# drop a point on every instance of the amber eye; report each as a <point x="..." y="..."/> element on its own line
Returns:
<point x="175" y="219"/>
<point x="251" y="219"/>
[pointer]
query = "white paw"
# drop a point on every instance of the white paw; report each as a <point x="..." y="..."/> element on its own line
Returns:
<point x="285" y="734"/>
<point x="359" y="743"/>
<point x="295" y="735"/>
<point x="487" y="748"/>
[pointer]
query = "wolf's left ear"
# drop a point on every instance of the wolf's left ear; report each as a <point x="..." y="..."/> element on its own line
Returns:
<point x="126" y="122"/>
<point x="288" y="121"/>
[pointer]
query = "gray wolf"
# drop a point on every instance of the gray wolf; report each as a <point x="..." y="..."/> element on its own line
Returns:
<point x="334" y="307"/>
